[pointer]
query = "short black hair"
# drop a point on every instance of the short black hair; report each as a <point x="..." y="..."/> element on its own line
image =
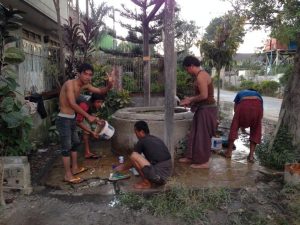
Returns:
<point x="142" y="125"/>
<point x="96" y="97"/>
<point x="85" y="66"/>
<point x="191" y="60"/>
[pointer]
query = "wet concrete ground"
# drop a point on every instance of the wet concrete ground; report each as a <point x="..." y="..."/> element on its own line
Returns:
<point x="234" y="173"/>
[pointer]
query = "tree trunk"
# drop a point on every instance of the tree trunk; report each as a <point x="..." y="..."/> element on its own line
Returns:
<point x="146" y="60"/>
<point x="61" y="43"/>
<point x="170" y="74"/>
<point x="87" y="8"/>
<point x="2" y="200"/>
<point x="291" y="102"/>
<point x="77" y="11"/>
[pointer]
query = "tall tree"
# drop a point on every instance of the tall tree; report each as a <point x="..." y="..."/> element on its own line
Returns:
<point x="283" y="17"/>
<point x="220" y="42"/>
<point x="150" y="27"/>
<point x="186" y="36"/>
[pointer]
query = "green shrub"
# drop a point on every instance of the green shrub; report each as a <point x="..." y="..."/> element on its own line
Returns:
<point x="114" y="100"/>
<point x="282" y="152"/>
<point x="184" y="83"/>
<point x="269" y="87"/>
<point x="287" y="73"/>
<point x="100" y="74"/>
<point x="129" y="83"/>
<point x="246" y="84"/>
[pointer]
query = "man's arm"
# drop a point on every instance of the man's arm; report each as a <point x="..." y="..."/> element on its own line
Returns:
<point x="103" y="90"/>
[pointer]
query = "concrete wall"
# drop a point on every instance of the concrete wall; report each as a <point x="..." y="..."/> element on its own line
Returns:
<point x="39" y="131"/>
<point x="47" y="8"/>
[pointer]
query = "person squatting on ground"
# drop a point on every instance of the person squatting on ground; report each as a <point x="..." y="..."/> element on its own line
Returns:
<point x="248" y="112"/>
<point x="90" y="106"/>
<point x="204" y="123"/>
<point x="66" y="123"/>
<point x="155" y="165"/>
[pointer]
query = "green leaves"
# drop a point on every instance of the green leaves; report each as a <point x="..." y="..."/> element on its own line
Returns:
<point x="14" y="125"/>
<point x="7" y="104"/>
<point x="14" y="55"/>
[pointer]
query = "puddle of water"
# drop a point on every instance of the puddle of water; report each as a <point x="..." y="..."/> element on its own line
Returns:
<point x="113" y="203"/>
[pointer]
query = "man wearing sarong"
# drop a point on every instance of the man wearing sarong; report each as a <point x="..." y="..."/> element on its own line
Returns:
<point x="248" y="112"/>
<point x="205" y="115"/>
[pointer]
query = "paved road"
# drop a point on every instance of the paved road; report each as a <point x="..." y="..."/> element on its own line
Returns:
<point x="271" y="105"/>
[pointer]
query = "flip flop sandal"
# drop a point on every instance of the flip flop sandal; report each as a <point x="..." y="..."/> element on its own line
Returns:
<point x="75" y="180"/>
<point x="222" y="153"/>
<point x="93" y="156"/>
<point x="118" y="176"/>
<point x="81" y="170"/>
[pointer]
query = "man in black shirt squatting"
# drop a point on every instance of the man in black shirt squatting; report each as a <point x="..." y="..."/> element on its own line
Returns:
<point x="155" y="165"/>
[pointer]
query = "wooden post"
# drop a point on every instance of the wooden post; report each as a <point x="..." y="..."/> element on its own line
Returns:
<point x="170" y="74"/>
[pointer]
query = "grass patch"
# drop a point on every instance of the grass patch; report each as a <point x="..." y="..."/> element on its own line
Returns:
<point x="186" y="204"/>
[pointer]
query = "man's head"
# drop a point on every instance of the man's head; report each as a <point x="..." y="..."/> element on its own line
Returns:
<point x="97" y="100"/>
<point x="86" y="73"/>
<point x="191" y="64"/>
<point x="141" y="129"/>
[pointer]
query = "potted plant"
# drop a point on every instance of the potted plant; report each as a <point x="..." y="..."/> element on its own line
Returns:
<point x="14" y="124"/>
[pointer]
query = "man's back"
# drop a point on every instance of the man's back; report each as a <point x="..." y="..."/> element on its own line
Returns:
<point x="153" y="148"/>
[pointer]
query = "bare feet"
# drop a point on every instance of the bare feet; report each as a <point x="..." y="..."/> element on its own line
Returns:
<point x="145" y="184"/>
<point x="185" y="160"/>
<point x="79" y="170"/>
<point x="200" y="166"/>
<point x="227" y="154"/>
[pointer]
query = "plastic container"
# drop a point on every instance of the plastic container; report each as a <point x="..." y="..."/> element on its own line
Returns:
<point x="106" y="132"/>
<point x="121" y="159"/>
<point x="216" y="143"/>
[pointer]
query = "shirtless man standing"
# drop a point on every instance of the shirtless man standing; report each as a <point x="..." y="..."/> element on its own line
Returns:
<point x="66" y="123"/>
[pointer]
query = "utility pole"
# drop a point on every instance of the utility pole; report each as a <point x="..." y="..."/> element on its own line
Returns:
<point x="170" y="74"/>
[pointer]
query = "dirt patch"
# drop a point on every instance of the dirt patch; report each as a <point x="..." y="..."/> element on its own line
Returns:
<point x="41" y="161"/>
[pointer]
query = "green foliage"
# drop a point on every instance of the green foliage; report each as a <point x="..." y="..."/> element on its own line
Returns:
<point x="184" y="83"/>
<point x="288" y="71"/>
<point x="114" y="100"/>
<point x="246" y="84"/>
<point x="186" y="36"/>
<point x="221" y="40"/>
<point x="189" y="205"/>
<point x="182" y="146"/>
<point x="267" y="87"/>
<point x="129" y="83"/>
<point x="100" y="74"/>
<point x="14" y="122"/>
<point x="157" y="88"/>
<point x="282" y="152"/>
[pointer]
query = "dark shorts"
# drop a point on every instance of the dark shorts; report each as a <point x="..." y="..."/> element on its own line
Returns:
<point x="159" y="172"/>
<point x="69" y="139"/>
